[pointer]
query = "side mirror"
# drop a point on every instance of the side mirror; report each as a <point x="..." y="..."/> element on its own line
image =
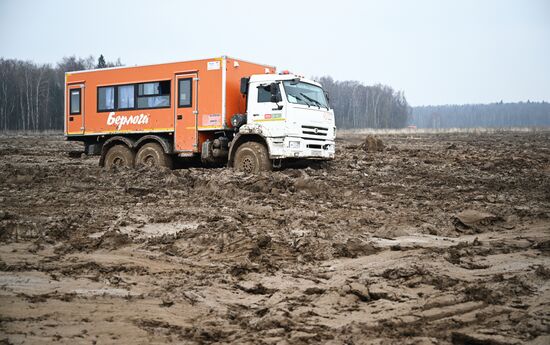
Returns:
<point x="326" y="95"/>
<point x="276" y="98"/>
<point x="244" y="85"/>
<point x="275" y="93"/>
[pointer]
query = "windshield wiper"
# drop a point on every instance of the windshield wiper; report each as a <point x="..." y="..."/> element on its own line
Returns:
<point x="319" y="104"/>
<point x="311" y="99"/>
<point x="301" y="99"/>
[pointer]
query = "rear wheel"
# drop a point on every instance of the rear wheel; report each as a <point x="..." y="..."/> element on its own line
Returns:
<point x="252" y="157"/>
<point x="152" y="155"/>
<point x="120" y="156"/>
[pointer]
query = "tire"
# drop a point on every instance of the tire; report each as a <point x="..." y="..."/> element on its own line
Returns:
<point x="152" y="155"/>
<point x="252" y="157"/>
<point x="120" y="156"/>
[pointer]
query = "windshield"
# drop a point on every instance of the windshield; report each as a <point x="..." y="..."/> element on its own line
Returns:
<point x="304" y="93"/>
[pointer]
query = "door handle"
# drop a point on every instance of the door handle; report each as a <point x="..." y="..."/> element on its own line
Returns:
<point x="180" y="117"/>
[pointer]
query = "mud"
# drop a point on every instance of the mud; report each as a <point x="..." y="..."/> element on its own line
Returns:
<point x="425" y="239"/>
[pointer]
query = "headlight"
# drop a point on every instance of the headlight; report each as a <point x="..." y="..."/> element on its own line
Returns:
<point x="294" y="145"/>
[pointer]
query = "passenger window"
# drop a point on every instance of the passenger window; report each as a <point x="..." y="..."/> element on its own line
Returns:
<point x="148" y="89"/>
<point x="154" y="95"/>
<point x="75" y="102"/>
<point x="126" y="97"/>
<point x="185" y="93"/>
<point x="106" y="98"/>
<point x="264" y="93"/>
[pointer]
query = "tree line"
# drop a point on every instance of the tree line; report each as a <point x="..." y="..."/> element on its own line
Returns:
<point x="31" y="95"/>
<point x="499" y="115"/>
<point x="360" y="106"/>
<point x="31" y="99"/>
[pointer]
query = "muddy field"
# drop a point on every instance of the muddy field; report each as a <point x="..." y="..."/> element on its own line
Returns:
<point x="425" y="239"/>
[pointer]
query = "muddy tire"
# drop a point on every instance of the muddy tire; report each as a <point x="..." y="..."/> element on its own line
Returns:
<point x="119" y="156"/>
<point x="152" y="155"/>
<point x="252" y="157"/>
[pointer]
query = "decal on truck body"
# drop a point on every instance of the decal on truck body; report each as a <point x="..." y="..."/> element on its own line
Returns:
<point x="123" y="120"/>
<point x="213" y="65"/>
<point x="271" y="117"/>
<point x="211" y="120"/>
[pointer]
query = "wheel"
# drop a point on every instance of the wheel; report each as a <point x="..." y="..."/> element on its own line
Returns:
<point x="119" y="156"/>
<point x="252" y="157"/>
<point x="152" y="155"/>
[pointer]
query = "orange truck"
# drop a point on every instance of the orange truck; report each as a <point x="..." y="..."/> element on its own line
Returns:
<point x="221" y="110"/>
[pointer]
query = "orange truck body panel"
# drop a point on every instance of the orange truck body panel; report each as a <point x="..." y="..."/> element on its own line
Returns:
<point x="215" y="98"/>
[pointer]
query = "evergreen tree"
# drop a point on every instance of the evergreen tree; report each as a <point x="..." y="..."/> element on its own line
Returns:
<point x="101" y="62"/>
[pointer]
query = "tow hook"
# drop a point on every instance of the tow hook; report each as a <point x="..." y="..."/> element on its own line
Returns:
<point x="277" y="163"/>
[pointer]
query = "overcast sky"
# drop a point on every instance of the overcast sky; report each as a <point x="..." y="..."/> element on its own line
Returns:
<point x="436" y="51"/>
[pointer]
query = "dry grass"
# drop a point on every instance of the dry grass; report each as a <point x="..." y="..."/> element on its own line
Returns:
<point x="476" y="130"/>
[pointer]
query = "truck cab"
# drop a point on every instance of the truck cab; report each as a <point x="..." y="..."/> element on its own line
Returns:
<point x="291" y="114"/>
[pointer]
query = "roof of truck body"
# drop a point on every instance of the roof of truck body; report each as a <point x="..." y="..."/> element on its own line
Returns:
<point x="166" y="63"/>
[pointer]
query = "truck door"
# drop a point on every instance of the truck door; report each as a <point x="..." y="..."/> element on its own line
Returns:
<point x="262" y="110"/>
<point x="74" y="119"/>
<point x="186" y="113"/>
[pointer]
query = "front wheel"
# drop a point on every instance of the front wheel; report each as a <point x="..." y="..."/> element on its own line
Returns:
<point x="152" y="155"/>
<point x="252" y="157"/>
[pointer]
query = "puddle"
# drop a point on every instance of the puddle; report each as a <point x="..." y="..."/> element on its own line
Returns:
<point x="152" y="230"/>
<point x="419" y="240"/>
<point x="104" y="292"/>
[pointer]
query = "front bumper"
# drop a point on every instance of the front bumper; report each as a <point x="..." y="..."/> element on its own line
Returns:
<point x="296" y="147"/>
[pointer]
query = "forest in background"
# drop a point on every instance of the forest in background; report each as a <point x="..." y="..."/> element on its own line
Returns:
<point x="360" y="106"/>
<point x="31" y="95"/>
<point x="495" y="115"/>
<point x="379" y="106"/>
<point x="31" y="99"/>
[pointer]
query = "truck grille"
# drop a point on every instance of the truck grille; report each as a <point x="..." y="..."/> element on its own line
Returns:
<point x="315" y="131"/>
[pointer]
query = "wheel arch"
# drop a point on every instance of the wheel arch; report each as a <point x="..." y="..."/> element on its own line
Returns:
<point x="130" y="143"/>
<point x="241" y="139"/>
<point x="151" y="138"/>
